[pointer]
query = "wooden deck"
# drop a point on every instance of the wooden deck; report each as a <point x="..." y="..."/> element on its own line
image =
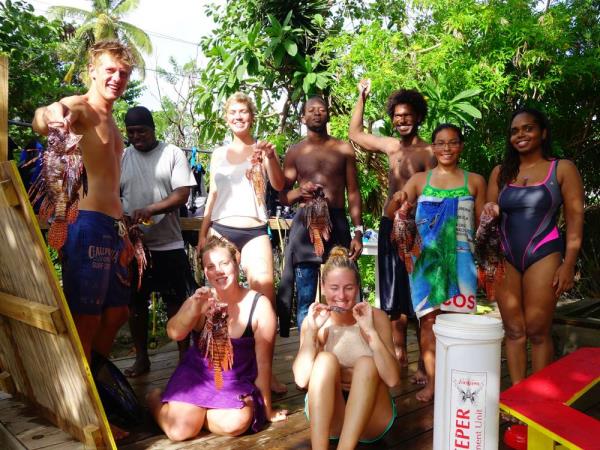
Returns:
<point x="412" y="429"/>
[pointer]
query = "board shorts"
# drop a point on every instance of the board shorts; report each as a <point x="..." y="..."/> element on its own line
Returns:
<point x="93" y="279"/>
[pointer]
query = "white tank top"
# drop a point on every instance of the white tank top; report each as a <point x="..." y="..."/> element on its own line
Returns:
<point x="235" y="194"/>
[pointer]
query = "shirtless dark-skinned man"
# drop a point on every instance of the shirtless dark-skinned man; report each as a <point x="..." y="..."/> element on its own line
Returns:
<point x="317" y="160"/>
<point x="407" y="109"/>
<point x="92" y="275"/>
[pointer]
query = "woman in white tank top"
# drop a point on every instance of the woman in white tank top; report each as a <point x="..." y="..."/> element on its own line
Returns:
<point x="233" y="209"/>
<point x="347" y="361"/>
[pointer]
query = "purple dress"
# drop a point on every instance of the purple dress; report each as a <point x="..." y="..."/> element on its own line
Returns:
<point x="193" y="380"/>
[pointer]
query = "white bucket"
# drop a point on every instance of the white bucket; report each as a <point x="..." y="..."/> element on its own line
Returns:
<point x="467" y="382"/>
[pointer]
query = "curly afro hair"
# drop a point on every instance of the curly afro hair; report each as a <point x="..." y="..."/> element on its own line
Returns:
<point x="408" y="97"/>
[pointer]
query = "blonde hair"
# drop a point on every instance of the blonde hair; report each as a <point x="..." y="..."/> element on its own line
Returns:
<point x="339" y="259"/>
<point x="240" y="97"/>
<point x="115" y="49"/>
<point x="214" y="242"/>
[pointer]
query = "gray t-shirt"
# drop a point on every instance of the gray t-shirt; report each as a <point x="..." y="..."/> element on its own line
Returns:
<point x="148" y="177"/>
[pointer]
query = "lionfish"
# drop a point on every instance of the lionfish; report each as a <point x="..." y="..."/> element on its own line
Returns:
<point x="63" y="174"/>
<point x="317" y="220"/>
<point x="133" y="247"/>
<point x="405" y="236"/>
<point x="215" y="343"/>
<point x="257" y="177"/>
<point x="489" y="256"/>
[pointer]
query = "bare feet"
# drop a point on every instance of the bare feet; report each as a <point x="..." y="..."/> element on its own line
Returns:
<point x="140" y="367"/>
<point x="401" y="355"/>
<point x="118" y="433"/>
<point x="426" y="394"/>
<point x="420" y="376"/>
<point x="276" y="386"/>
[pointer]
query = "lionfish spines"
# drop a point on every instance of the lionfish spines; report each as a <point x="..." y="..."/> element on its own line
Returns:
<point x="405" y="236"/>
<point x="215" y="344"/>
<point x="489" y="255"/>
<point x="256" y="176"/>
<point x="318" y="221"/>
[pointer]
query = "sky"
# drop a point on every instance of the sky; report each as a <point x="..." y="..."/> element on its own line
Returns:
<point x="175" y="28"/>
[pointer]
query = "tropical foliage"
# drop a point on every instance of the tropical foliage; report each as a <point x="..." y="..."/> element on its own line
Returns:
<point x="104" y="21"/>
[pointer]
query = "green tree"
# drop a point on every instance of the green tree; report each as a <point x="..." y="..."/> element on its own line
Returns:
<point x="104" y="21"/>
<point x="35" y="73"/>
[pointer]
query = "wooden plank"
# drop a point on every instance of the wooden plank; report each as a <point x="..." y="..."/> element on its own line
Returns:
<point x="43" y="317"/>
<point x="9" y="193"/>
<point x="3" y="108"/>
<point x="8" y="441"/>
<point x="64" y="391"/>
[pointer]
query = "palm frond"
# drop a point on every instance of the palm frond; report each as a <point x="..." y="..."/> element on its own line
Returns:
<point x="68" y="12"/>
<point x="122" y="7"/>
<point x="137" y="36"/>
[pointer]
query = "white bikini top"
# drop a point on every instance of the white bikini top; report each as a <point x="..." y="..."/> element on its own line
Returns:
<point x="347" y="343"/>
<point x="235" y="194"/>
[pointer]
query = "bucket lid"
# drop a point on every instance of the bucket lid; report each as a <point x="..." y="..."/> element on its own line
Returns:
<point x="469" y="322"/>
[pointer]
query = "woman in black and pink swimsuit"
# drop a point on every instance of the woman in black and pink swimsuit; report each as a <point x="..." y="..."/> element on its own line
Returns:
<point x="527" y="190"/>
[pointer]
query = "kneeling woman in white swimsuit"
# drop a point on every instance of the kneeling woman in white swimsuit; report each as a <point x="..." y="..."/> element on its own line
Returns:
<point x="347" y="361"/>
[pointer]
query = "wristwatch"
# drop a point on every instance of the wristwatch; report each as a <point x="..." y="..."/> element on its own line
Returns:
<point x="359" y="228"/>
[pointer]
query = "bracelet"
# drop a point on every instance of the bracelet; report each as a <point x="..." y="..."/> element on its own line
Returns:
<point x="359" y="228"/>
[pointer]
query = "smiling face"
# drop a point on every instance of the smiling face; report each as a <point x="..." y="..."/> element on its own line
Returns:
<point x="526" y="135"/>
<point x="220" y="268"/>
<point x="447" y="147"/>
<point x="239" y="118"/>
<point x="315" y="115"/>
<point x="405" y="120"/>
<point x="109" y="76"/>
<point x="341" y="288"/>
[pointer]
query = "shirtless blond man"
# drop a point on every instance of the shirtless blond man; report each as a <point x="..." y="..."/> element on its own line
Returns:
<point x="407" y="109"/>
<point x="93" y="279"/>
<point x="317" y="160"/>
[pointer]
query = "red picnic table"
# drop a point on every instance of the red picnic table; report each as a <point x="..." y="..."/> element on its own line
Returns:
<point x="542" y="402"/>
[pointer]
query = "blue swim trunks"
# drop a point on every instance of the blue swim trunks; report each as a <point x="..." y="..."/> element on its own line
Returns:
<point x="93" y="279"/>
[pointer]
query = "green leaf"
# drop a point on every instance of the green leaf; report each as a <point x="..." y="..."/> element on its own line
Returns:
<point x="469" y="109"/>
<point x="466" y="94"/>
<point x="291" y="47"/>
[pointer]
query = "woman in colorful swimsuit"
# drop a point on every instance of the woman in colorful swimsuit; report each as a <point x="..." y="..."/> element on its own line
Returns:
<point x="527" y="190"/>
<point x="191" y="401"/>
<point x="444" y="277"/>
<point x="347" y="361"/>
<point x="233" y="210"/>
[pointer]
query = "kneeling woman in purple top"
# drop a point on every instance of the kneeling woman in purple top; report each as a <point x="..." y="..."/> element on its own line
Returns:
<point x="241" y="400"/>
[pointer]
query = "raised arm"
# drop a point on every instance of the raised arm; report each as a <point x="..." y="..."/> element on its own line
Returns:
<point x="264" y="342"/>
<point x="317" y="315"/>
<point x="571" y="188"/>
<point x="66" y="111"/>
<point x="190" y="315"/>
<point x="377" y="328"/>
<point x="356" y="131"/>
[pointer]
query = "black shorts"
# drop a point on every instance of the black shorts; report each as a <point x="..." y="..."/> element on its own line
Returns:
<point x="170" y="274"/>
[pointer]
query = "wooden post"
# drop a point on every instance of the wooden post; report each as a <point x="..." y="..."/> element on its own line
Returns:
<point x="3" y="108"/>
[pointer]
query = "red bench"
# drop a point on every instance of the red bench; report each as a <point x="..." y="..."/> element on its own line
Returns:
<point x="542" y="402"/>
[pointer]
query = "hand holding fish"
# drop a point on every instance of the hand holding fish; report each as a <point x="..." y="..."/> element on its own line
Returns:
<point x="318" y="314"/>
